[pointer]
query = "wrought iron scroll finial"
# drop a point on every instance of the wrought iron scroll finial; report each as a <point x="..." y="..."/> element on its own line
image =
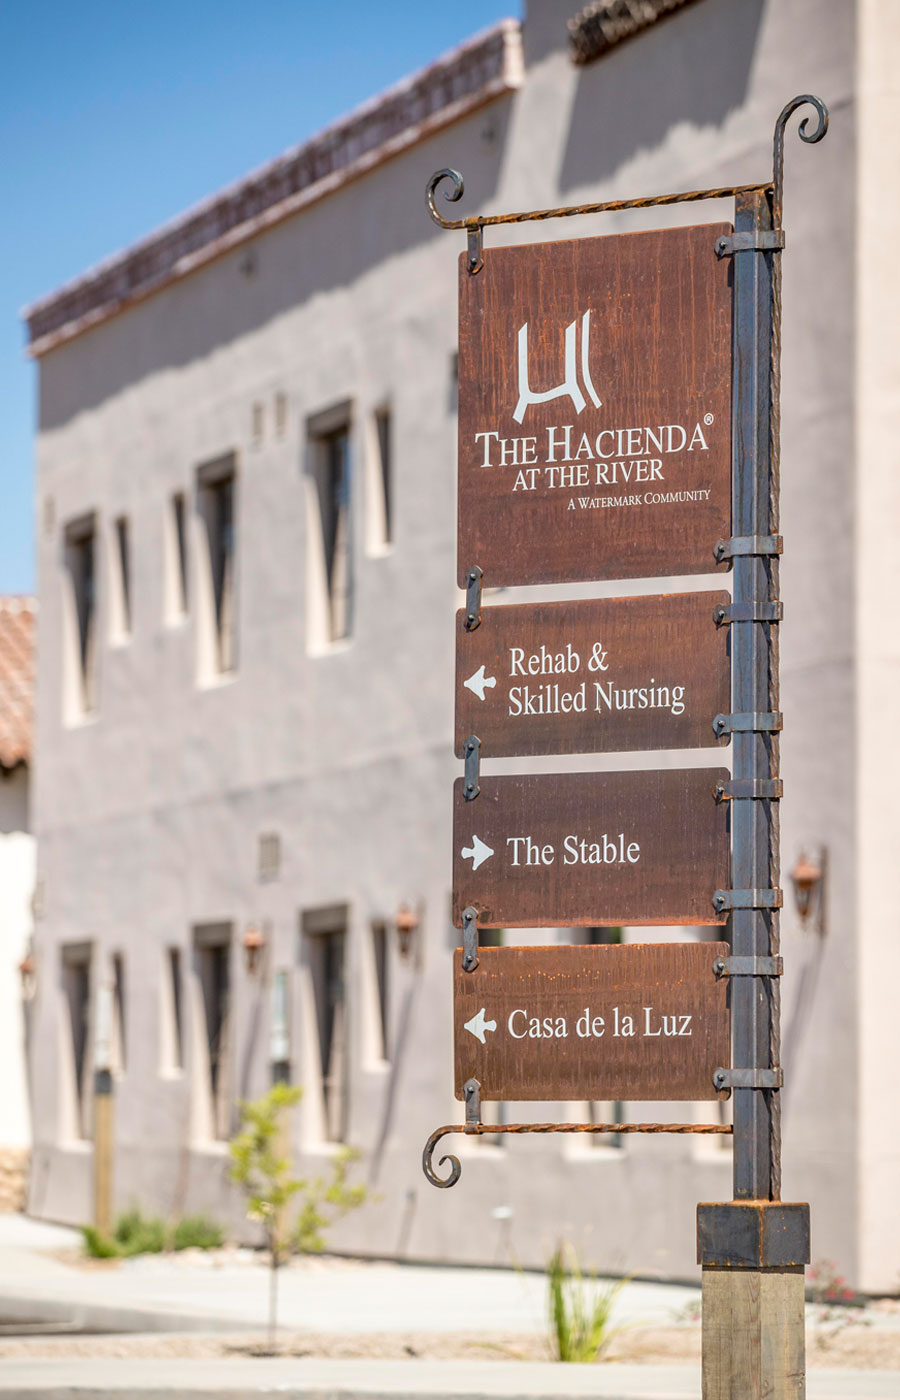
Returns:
<point x="810" y="137"/>
<point x="475" y="251"/>
<point x="452" y="195"/>
<point x="428" y="1163"/>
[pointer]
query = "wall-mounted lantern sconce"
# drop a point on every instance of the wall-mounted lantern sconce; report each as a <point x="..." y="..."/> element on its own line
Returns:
<point x="28" y="974"/>
<point x="808" y="880"/>
<point x="253" y="944"/>
<point x="407" y="926"/>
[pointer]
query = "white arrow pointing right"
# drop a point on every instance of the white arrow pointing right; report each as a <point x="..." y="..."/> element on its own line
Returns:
<point x="477" y="853"/>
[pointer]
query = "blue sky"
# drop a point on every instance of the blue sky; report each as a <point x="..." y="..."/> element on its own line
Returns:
<point x="116" y="116"/>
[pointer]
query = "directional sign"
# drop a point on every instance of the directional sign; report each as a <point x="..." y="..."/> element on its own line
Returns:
<point x="558" y="849"/>
<point x="595" y="676"/>
<point x="595" y="408"/>
<point x="640" y="1021"/>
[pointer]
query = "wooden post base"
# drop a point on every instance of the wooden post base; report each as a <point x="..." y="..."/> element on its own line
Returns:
<point x="754" y="1345"/>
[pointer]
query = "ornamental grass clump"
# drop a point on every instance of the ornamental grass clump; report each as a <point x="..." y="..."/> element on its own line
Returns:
<point x="135" y="1233"/>
<point x="580" y="1309"/>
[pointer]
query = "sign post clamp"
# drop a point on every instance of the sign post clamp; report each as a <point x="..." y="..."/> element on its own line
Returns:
<point x="473" y="598"/>
<point x="747" y="899"/>
<point x="747" y="722"/>
<point x="765" y="610"/>
<point x="748" y="547"/>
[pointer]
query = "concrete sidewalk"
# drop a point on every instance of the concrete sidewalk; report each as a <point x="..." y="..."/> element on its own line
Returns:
<point x="164" y="1293"/>
<point x="228" y="1294"/>
<point x="242" y="1379"/>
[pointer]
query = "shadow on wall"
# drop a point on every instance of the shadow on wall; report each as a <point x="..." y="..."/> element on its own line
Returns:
<point x="332" y="244"/>
<point x="693" y="68"/>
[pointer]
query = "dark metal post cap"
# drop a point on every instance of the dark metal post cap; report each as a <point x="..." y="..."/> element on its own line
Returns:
<point x="753" y="1235"/>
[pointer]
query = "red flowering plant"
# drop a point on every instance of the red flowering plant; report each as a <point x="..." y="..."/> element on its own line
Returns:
<point x="834" y="1304"/>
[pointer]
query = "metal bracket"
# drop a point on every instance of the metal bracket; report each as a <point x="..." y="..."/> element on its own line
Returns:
<point x="471" y="786"/>
<point x="474" y="249"/>
<point x="747" y="899"/>
<point x="766" y="789"/>
<point x="770" y="610"/>
<point x="744" y="545"/>
<point x="473" y="598"/>
<point x="747" y="722"/>
<point x="751" y="241"/>
<point x="473" y="1125"/>
<point x="749" y="967"/>
<point x="470" y="938"/>
<point x="749" y="1078"/>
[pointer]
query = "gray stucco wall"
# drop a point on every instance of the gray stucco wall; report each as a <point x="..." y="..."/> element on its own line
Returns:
<point x="148" y="815"/>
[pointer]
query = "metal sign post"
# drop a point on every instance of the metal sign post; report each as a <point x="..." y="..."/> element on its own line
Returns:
<point x="560" y="483"/>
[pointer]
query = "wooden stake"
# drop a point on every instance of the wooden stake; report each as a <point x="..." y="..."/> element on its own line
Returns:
<point x="103" y="1151"/>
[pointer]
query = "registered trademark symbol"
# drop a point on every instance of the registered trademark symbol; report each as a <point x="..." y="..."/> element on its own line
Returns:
<point x="709" y="418"/>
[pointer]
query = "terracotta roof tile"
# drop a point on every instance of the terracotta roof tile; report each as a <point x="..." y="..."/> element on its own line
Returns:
<point x="605" y="23"/>
<point x="17" y="623"/>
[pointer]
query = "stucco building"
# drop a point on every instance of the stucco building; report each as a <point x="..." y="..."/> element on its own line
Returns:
<point x="246" y="536"/>
<point x="17" y="866"/>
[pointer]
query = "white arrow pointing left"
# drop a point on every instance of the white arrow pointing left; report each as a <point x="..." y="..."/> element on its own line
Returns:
<point x="479" y="683"/>
<point x="478" y="1025"/>
<point x="477" y="853"/>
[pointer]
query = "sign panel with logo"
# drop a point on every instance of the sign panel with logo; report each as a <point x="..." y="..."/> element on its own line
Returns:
<point x="640" y="1021"/>
<point x="595" y="408"/>
<point x="558" y="849"/>
<point x="595" y="676"/>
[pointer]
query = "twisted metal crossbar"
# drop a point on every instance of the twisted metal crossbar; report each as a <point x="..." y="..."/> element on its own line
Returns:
<point x="482" y="1129"/>
<point x="774" y="187"/>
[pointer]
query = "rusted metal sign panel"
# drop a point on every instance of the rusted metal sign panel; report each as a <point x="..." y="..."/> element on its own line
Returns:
<point x="637" y="1021"/>
<point x="595" y="408"/>
<point x="597" y="676"/>
<point x="557" y="849"/>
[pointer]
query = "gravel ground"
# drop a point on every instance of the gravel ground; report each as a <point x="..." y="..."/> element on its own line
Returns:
<point x="841" y="1344"/>
<point x="867" y="1339"/>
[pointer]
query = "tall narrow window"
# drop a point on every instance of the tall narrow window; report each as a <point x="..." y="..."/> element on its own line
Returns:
<point x="119" y="1022"/>
<point x="280" y="1027"/>
<point x="217" y="627"/>
<point x="614" y="1110"/>
<point x="120" y="592"/>
<point x="330" y="546"/>
<point x="171" y="1014"/>
<point x="80" y="670"/>
<point x="175" y="573"/>
<point x="610" y="933"/>
<point x="75" y="1086"/>
<point x="334" y="505"/>
<point x="379" y="484"/>
<point x="324" y="937"/>
<point x="380" y="952"/>
<point x="212" y="943"/>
